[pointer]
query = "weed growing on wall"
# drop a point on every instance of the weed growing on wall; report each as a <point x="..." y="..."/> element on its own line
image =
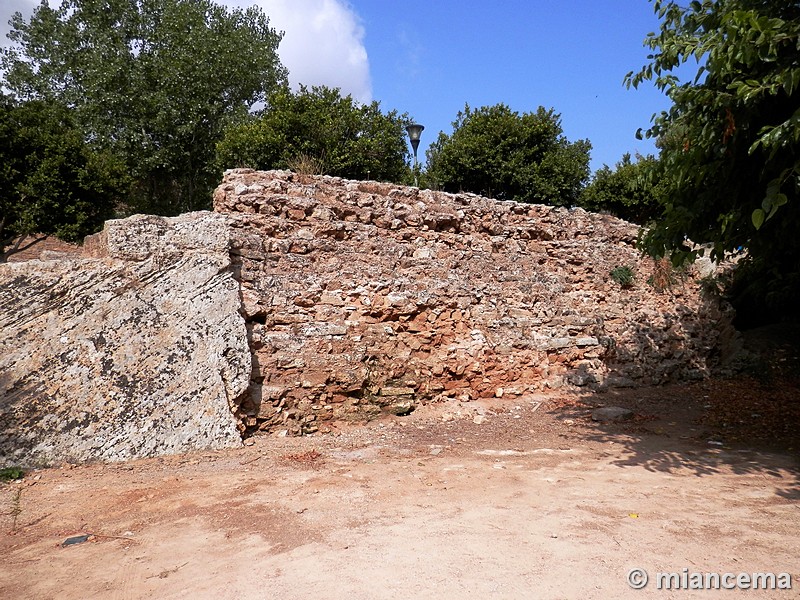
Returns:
<point x="623" y="276"/>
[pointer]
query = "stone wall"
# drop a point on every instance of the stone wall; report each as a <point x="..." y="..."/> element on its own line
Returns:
<point x="363" y="297"/>
<point x="304" y="300"/>
<point x="137" y="351"/>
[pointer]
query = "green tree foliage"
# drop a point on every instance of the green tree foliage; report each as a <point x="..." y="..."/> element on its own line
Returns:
<point x="155" y="81"/>
<point x="627" y="192"/>
<point x="497" y="152"/>
<point x="730" y="158"/>
<point x="345" y="138"/>
<point x="50" y="180"/>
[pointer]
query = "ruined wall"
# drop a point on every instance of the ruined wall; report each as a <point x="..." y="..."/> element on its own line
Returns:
<point x="303" y="300"/>
<point x="361" y="297"/>
<point x="137" y="351"/>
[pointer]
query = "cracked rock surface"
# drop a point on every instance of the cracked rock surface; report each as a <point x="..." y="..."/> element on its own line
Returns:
<point x="138" y="350"/>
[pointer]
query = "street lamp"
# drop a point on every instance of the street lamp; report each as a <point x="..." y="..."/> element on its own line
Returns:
<point x="414" y="131"/>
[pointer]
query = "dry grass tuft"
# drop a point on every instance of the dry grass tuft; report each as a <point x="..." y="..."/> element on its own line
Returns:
<point x="306" y="167"/>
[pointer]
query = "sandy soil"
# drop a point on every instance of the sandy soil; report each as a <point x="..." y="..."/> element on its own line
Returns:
<point x="514" y="498"/>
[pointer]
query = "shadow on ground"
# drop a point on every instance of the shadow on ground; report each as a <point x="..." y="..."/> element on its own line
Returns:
<point x="735" y="425"/>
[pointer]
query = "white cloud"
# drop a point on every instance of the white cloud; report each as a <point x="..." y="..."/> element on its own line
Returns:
<point x="323" y="42"/>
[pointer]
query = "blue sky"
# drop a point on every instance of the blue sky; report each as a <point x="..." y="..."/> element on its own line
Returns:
<point x="429" y="58"/>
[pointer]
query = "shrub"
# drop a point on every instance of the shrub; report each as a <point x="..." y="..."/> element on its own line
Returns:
<point x="623" y="276"/>
<point x="11" y="473"/>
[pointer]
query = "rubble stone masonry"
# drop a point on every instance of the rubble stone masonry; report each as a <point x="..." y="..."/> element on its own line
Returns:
<point x="302" y="300"/>
<point x="363" y="297"/>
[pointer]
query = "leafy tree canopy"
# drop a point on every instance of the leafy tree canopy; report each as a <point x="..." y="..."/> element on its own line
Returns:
<point x="730" y="143"/>
<point x="155" y="81"/>
<point x="498" y="152"/>
<point x="628" y="191"/>
<point x="50" y="180"/>
<point x="340" y="136"/>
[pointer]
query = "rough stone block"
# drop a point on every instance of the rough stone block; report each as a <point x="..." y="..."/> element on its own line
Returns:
<point x="139" y="354"/>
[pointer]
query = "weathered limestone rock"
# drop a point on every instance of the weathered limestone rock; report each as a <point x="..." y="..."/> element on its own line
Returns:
<point x="139" y="351"/>
<point x="354" y="289"/>
<point x="612" y="414"/>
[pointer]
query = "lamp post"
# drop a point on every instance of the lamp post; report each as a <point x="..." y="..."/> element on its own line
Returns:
<point x="414" y="131"/>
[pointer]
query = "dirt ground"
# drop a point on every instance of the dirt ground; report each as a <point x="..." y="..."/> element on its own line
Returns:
<point x="513" y="498"/>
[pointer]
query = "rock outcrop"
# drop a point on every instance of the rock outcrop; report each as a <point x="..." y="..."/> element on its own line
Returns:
<point x="138" y="351"/>
<point x="362" y="297"/>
